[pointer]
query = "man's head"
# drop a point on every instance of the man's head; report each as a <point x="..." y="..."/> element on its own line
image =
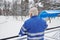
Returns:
<point x="33" y="11"/>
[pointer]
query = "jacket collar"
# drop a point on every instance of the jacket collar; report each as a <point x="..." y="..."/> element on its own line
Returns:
<point x="33" y="16"/>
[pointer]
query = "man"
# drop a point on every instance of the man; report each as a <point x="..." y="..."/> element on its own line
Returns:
<point x="34" y="27"/>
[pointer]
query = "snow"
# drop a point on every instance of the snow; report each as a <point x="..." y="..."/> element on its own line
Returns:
<point x="10" y="26"/>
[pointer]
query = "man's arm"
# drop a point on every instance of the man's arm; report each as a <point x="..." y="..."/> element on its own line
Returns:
<point x="23" y="31"/>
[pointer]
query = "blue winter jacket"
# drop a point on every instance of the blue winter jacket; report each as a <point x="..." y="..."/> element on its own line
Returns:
<point x="34" y="28"/>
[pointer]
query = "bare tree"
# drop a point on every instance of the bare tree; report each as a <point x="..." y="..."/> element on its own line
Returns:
<point x="0" y="11"/>
<point x="24" y="8"/>
<point x="5" y="7"/>
<point x="14" y="8"/>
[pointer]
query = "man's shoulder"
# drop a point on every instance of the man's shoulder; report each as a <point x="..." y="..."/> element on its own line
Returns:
<point x="27" y="20"/>
<point x="41" y="20"/>
<point x="34" y="19"/>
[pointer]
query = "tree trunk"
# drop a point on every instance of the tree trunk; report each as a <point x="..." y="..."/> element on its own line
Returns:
<point x="24" y="7"/>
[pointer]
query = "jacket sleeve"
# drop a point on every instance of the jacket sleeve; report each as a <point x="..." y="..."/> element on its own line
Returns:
<point x="23" y="31"/>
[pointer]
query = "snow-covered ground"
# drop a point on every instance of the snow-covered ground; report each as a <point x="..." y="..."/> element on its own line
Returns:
<point x="10" y="26"/>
